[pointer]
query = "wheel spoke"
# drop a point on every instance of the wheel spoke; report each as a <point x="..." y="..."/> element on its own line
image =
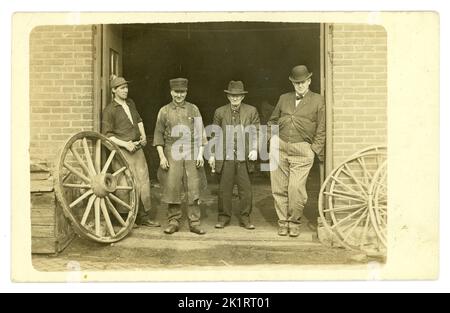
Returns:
<point x="80" y="160"/>
<point x="345" y="208"/>
<point x="355" y="224"/>
<point x="97" y="216"/>
<point x="348" y="217"/>
<point x="66" y="176"/>
<point x="98" y="155"/>
<point x="77" y="186"/>
<point x="118" y="201"/>
<point x="345" y="186"/>
<point x="351" y="195"/>
<point x="343" y="196"/>
<point x="114" y="212"/>
<point x="119" y="171"/>
<point x="108" y="162"/>
<point x="349" y="173"/>
<point x="77" y="173"/>
<point x="79" y="199"/>
<point x="367" y="175"/>
<point x="88" y="157"/>
<point x="381" y="184"/>
<point x="124" y="188"/>
<point x="88" y="210"/>
<point x="107" y="218"/>
<point x="364" y="232"/>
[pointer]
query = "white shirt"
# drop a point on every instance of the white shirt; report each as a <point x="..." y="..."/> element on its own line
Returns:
<point x="297" y="102"/>
<point x="126" y="108"/>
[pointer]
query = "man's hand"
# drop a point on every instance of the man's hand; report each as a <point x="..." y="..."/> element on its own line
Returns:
<point x="212" y="163"/>
<point x="200" y="162"/>
<point x="253" y="155"/>
<point x="143" y="141"/>
<point x="164" y="163"/>
<point x="130" y="146"/>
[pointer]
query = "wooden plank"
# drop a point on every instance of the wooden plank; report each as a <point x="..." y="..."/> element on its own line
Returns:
<point x="43" y="231"/>
<point x="39" y="175"/>
<point x="43" y="220"/>
<point x="50" y="245"/>
<point x="43" y="245"/>
<point x="45" y="200"/>
<point x="39" y="167"/>
<point x="41" y="185"/>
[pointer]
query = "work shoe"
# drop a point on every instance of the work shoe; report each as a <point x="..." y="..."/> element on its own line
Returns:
<point x="221" y="224"/>
<point x="247" y="225"/>
<point x="294" y="231"/>
<point x="197" y="230"/>
<point x="283" y="231"/>
<point x="172" y="228"/>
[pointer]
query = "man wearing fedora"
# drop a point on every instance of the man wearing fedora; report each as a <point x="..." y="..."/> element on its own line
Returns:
<point x="239" y="123"/>
<point x="300" y="116"/>
<point x="181" y="156"/>
<point x="123" y="125"/>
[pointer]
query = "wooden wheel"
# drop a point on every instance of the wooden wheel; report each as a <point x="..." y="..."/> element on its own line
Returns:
<point x="344" y="199"/>
<point x="378" y="203"/>
<point x="96" y="187"/>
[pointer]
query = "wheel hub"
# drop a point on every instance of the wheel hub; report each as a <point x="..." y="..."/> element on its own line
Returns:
<point x="104" y="184"/>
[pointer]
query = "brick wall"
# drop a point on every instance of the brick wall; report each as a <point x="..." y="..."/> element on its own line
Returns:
<point x="359" y="63"/>
<point x="61" y="83"/>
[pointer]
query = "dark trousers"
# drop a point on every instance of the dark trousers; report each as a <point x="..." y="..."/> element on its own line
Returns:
<point x="234" y="172"/>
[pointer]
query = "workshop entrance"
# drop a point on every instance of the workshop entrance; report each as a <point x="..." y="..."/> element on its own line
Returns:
<point x="261" y="54"/>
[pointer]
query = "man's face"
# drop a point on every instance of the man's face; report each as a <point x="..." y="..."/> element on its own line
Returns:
<point x="235" y="100"/>
<point x="178" y="96"/>
<point x="302" y="87"/>
<point x="121" y="91"/>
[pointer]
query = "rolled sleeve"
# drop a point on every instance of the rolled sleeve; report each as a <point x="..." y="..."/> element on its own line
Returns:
<point x="158" y="136"/>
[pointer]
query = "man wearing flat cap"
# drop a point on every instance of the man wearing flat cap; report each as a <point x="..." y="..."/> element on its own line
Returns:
<point x="180" y="139"/>
<point x="300" y="116"/>
<point x="123" y="125"/>
<point x="239" y="123"/>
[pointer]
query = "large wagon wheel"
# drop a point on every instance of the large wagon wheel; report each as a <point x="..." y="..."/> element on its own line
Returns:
<point x="378" y="203"/>
<point x="344" y="199"/>
<point x="96" y="187"/>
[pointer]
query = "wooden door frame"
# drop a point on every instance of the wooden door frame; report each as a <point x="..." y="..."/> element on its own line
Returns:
<point x="327" y="76"/>
<point x="102" y="35"/>
<point x="97" y="31"/>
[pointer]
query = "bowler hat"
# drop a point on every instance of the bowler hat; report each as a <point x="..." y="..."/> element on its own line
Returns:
<point x="118" y="81"/>
<point x="178" y="84"/>
<point x="299" y="73"/>
<point x="236" y="88"/>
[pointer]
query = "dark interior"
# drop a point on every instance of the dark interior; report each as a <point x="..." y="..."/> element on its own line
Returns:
<point x="261" y="54"/>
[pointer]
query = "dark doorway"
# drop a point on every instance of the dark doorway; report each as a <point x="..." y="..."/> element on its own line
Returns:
<point x="261" y="54"/>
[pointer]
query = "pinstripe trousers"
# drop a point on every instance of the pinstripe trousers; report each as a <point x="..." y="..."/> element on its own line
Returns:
<point x="288" y="180"/>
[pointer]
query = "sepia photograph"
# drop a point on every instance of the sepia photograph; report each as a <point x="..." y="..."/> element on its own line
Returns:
<point x="160" y="143"/>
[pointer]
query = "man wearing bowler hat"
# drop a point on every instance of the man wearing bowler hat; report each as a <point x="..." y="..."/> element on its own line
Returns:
<point x="300" y="116"/>
<point x="180" y="139"/>
<point x="123" y="125"/>
<point x="239" y="123"/>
